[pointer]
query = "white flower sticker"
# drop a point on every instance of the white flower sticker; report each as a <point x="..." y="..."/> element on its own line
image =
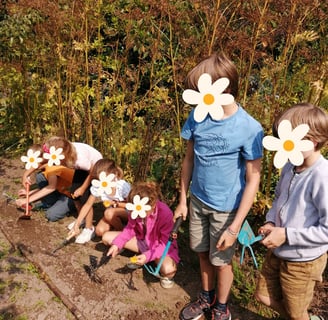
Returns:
<point x="105" y="184"/>
<point x="210" y="98"/>
<point x="138" y="207"/>
<point x="32" y="159"/>
<point x="289" y="145"/>
<point x="54" y="156"/>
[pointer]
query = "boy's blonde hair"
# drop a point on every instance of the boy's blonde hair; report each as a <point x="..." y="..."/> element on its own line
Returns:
<point x="146" y="189"/>
<point x="218" y="65"/>
<point x="313" y="116"/>
<point x="108" y="166"/>
<point x="69" y="150"/>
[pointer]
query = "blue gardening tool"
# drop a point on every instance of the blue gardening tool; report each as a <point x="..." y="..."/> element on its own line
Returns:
<point x="173" y="236"/>
<point x="246" y="238"/>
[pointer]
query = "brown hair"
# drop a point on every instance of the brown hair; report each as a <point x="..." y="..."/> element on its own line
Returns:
<point x="218" y="65"/>
<point x="108" y="166"/>
<point x="69" y="150"/>
<point x="306" y="113"/>
<point x="146" y="189"/>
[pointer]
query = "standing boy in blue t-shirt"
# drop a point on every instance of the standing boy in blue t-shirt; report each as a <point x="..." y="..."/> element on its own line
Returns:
<point x="222" y="166"/>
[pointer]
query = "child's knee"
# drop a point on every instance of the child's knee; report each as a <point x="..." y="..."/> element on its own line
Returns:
<point x="169" y="269"/>
<point x="54" y="215"/>
<point x="109" y="213"/>
<point x="107" y="239"/>
<point x="100" y="231"/>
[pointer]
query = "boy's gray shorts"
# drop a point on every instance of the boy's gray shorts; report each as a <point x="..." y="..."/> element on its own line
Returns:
<point x="205" y="228"/>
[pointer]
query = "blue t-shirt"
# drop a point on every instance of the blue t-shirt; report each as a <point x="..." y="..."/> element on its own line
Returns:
<point x="221" y="149"/>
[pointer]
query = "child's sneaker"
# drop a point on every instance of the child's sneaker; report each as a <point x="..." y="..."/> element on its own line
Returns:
<point x="220" y="315"/>
<point x="85" y="236"/>
<point x="195" y="310"/>
<point x="167" y="283"/>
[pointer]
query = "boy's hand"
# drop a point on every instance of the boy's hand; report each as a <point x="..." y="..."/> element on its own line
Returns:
<point x="78" y="193"/>
<point x="266" y="229"/>
<point x="226" y="241"/>
<point x="22" y="193"/>
<point x="181" y="211"/>
<point x="275" y="238"/>
<point x="26" y="180"/>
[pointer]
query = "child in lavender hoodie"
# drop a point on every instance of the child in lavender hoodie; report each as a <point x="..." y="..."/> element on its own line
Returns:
<point x="147" y="232"/>
<point x="296" y="227"/>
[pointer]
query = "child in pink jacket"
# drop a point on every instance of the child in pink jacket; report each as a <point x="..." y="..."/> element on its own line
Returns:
<point x="147" y="232"/>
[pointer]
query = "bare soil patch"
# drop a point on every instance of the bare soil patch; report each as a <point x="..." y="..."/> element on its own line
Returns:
<point x="36" y="284"/>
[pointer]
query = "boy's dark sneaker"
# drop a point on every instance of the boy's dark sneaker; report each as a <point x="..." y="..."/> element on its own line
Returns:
<point x="195" y="309"/>
<point x="220" y="315"/>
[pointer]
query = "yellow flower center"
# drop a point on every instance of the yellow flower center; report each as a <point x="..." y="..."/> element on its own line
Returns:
<point x="104" y="184"/>
<point x="138" y="207"/>
<point x="288" y="145"/>
<point x="53" y="157"/>
<point x="208" y="99"/>
<point x="31" y="159"/>
<point x="106" y="203"/>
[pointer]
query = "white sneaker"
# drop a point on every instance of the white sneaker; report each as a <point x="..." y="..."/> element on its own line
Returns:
<point x="71" y="225"/>
<point x="167" y="283"/>
<point x="85" y="236"/>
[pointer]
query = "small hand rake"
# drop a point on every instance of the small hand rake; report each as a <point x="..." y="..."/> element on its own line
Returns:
<point x="173" y="236"/>
<point x="64" y="243"/>
<point x="246" y="238"/>
<point x="92" y="268"/>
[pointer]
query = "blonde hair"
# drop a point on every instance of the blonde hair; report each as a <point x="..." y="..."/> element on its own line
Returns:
<point x="218" y="65"/>
<point x="69" y="150"/>
<point x="313" y="116"/>
<point x="146" y="189"/>
<point x="108" y="166"/>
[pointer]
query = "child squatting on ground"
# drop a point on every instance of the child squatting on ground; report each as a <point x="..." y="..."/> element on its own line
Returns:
<point x="296" y="227"/>
<point x="147" y="232"/>
<point x="60" y="179"/>
<point x="77" y="155"/>
<point x="113" y="191"/>
<point x="222" y="167"/>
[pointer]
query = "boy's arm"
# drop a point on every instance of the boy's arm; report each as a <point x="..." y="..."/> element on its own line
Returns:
<point x="41" y="193"/>
<point x="253" y="175"/>
<point x="186" y="173"/>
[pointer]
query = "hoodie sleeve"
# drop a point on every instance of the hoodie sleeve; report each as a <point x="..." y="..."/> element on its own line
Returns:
<point x="127" y="234"/>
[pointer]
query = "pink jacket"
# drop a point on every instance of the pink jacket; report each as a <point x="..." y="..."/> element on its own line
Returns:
<point x="155" y="232"/>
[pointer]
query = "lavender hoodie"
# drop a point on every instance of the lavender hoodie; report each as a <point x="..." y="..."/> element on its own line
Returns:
<point x="155" y="232"/>
<point x="301" y="206"/>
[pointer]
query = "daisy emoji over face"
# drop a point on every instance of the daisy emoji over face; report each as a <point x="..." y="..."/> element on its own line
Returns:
<point x="210" y="98"/>
<point x="105" y="184"/>
<point x="139" y="207"/>
<point x="32" y="159"/>
<point x="289" y="145"/>
<point x="54" y="156"/>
